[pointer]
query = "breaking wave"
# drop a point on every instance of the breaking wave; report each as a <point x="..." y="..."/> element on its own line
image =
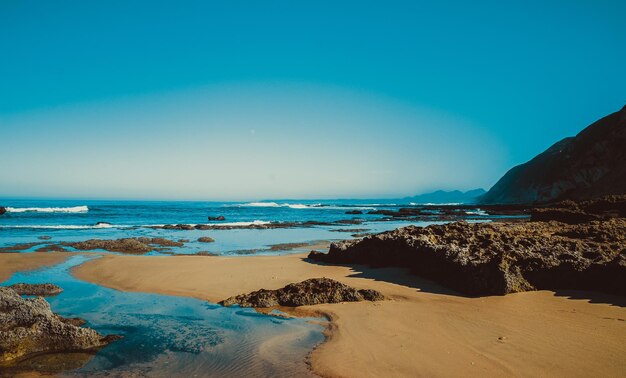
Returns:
<point x="74" y="209"/>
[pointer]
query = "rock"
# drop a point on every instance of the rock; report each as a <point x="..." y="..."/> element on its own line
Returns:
<point x="204" y="253"/>
<point x="2" y="210"/>
<point x="40" y="290"/>
<point x="125" y="245"/>
<point x="28" y="327"/>
<point x="218" y="218"/>
<point x="206" y="239"/>
<point x="309" y="292"/>
<point x="583" y="211"/>
<point x="499" y="258"/>
<point x="354" y="212"/>
<point x="590" y="165"/>
<point x="44" y="237"/>
<point x="51" y="248"/>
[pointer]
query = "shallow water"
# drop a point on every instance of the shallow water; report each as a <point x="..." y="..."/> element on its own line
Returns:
<point x="167" y="336"/>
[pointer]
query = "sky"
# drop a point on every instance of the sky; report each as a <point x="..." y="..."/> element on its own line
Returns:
<point x="281" y="99"/>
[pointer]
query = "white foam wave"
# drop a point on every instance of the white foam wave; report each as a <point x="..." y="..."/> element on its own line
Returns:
<point x="74" y="209"/>
<point x="435" y="204"/>
<point x="260" y="204"/>
<point x="299" y="206"/>
<point x="231" y="224"/>
<point x="63" y="227"/>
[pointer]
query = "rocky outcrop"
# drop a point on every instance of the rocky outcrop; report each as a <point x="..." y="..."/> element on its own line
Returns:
<point x="28" y="327"/>
<point x="2" y="210"/>
<point x="354" y="212"/>
<point x="206" y="239"/>
<point x="584" y="211"/>
<point x="41" y="290"/>
<point x="499" y="258"/>
<point x="310" y="292"/>
<point x="589" y="165"/>
<point x="125" y="245"/>
<point x="218" y="218"/>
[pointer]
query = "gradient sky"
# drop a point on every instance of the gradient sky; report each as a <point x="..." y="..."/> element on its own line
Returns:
<point x="249" y="100"/>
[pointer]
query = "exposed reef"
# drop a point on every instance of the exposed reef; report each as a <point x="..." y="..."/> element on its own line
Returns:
<point x="41" y="290"/>
<point x="309" y="292"/>
<point x="125" y="245"/>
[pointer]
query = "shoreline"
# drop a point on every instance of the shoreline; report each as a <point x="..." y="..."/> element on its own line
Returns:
<point x="422" y="329"/>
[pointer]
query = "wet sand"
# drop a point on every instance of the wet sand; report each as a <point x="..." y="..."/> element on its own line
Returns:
<point x="18" y="262"/>
<point x="422" y="330"/>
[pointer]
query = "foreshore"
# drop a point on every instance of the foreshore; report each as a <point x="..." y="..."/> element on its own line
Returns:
<point x="422" y="329"/>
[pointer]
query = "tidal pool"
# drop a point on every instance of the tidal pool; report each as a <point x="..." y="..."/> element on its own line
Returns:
<point x="171" y="336"/>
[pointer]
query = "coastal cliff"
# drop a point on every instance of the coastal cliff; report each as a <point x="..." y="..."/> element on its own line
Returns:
<point x="589" y="165"/>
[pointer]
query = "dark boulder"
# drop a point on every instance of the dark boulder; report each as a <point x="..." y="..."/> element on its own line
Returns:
<point x="218" y="218"/>
<point x="309" y="292"/>
<point x="206" y="239"/>
<point x="2" y="210"/>
<point x="354" y="212"/>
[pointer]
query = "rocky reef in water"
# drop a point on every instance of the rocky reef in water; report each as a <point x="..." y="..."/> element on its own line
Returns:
<point x="125" y="245"/>
<point x="28" y="327"/>
<point x="504" y="257"/>
<point x="41" y="290"/>
<point x="309" y="292"/>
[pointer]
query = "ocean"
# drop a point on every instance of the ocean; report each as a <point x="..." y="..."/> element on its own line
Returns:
<point x="74" y="220"/>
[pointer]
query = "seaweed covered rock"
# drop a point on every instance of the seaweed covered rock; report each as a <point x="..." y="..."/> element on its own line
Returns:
<point x="309" y="292"/>
<point x="499" y="258"/>
<point x="28" y="327"/>
<point x="125" y="245"/>
<point x="42" y="290"/>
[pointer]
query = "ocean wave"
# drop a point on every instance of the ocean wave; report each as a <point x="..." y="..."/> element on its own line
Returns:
<point x="300" y="206"/>
<point x="225" y="224"/>
<point x="74" y="209"/>
<point x="436" y="204"/>
<point x="64" y="226"/>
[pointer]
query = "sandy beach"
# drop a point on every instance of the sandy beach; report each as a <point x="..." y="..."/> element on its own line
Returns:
<point x="18" y="262"/>
<point x="421" y="330"/>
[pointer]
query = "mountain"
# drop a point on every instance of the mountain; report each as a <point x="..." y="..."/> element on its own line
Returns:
<point x="589" y="165"/>
<point x="442" y="196"/>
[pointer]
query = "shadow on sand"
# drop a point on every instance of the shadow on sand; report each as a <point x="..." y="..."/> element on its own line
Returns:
<point x="404" y="277"/>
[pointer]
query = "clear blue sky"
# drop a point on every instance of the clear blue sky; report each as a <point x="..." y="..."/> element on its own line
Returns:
<point x="258" y="99"/>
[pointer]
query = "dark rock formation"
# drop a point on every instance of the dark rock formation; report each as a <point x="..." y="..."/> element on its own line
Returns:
<point x="354" y="212"/>
<point x="206" y="239"/>
<point x="51" y="248"/>
<point x="580" y="212"/>
<point x="44" y="237"/>
<point x="125" y="245"/>
<point x="590" y="165"/>
<point x="218" y="218"/>
<point x="2" y="210"/>
<point x="310" y="292"/>
<point x="499" y="258"/>
<point x="41" y="290"/>
<point x="28" y="327"/>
